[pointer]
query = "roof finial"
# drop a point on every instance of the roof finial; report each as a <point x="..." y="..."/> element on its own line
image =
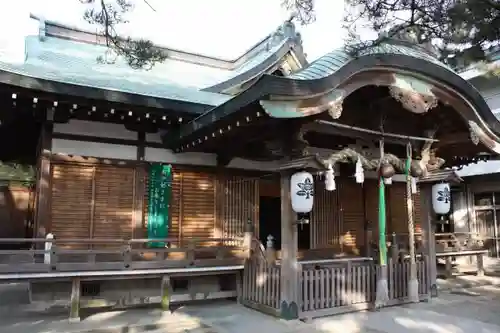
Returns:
<point x="41" y="28"/>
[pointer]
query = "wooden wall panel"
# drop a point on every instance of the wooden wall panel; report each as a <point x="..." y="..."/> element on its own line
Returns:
<point x="351" y="214"/>
<point x="113" y="202"/>
<point x="237" y="202"/>
<point x="208" y="205"/>
<point x="99" y="201"/>
<point x="398" y="216"/>
<point x="198" y="205"/>
<point x="176" y="206"/>
<point x="325" y="226"/>
<point x="269" y="187"/>
<point x="71" y="201"/>
<point x="370" y="188"/>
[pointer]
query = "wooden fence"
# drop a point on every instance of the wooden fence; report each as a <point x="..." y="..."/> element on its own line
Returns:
<point x="261" y="286"/>
<point x="341" y="287"/>
<point x="398" y="275"/>
<point x="338" y="287"/>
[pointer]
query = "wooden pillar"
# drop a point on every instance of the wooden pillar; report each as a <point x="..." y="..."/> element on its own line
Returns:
<point x="43" y="186"/>
<point x="166" y="292"/>
<point x="139" y="192"/>
<point x="480" y="264"/>
<point x="248" y="236"/>
<point x="74" y="312"/>
<point x="289" y="247"/>
<point x="139" y="188"/>
<point x="428" y="239"/>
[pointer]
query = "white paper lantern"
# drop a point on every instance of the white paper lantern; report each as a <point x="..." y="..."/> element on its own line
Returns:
<point x="302" y="192"/>
<point x="441" y="198"/>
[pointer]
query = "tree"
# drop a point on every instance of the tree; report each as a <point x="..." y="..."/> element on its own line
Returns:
<point x="462" y="31"/>
<point x="141" y="53"/>
<point x="107" y="14"/>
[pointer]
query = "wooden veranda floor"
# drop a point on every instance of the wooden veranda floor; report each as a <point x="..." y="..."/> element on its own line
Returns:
<point x="74" y="255"/>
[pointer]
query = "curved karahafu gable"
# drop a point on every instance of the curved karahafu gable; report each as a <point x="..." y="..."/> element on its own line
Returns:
<point x="331" y="102"/>
<point x="414" y="77"/>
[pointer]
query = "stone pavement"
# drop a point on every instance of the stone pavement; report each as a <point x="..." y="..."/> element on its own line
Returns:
<point x="468" y="305"/>
<point x="473" y="310"/>
<point x="469" y="281"/>
<point x="220" y="317"/>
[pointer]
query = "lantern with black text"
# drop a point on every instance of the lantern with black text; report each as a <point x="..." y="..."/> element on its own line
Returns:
<point x="302" y="192"/>
<point x="441" y="198"/>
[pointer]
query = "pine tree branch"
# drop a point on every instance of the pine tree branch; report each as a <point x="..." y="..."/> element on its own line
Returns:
<point x="138" y="53"/>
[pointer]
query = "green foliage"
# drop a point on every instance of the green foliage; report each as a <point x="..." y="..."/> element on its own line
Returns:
<point x="463" y="31"/>
<point x="138" y="53"/>
<point x="303" y="10"/>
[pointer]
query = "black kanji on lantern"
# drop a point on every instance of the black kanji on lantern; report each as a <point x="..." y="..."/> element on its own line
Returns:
<point x="306" y="189"/>
<point x="444" y="195"/>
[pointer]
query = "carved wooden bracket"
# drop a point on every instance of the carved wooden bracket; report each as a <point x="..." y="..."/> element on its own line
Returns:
<point x="473" y="135"/>
<point x="415" y="96"/>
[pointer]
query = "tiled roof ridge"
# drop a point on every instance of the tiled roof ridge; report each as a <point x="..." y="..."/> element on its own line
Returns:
<point x="285" y="31"/>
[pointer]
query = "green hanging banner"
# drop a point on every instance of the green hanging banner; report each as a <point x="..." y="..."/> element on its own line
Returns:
<point x="381" y="222"/>
<point x="160" y="194"/>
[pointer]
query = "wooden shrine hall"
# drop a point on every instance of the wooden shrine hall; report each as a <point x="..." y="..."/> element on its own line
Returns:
<point x="299" y="189"/>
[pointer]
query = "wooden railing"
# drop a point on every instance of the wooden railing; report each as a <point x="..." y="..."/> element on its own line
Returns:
<point x="67" y="255"/>
<point x="341" y="287"/>
<point x="261" y="281"/>
<point x="399" y="273"/>
<point x="330" y="286"/>
<point x="351" y="286"/>
<point x="261" y="285"/>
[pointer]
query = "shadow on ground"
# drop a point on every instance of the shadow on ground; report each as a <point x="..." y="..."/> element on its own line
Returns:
<point x="461" y="308"/>
<point x="475" y="311"/>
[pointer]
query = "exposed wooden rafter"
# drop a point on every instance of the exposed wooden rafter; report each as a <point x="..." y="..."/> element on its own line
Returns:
<point x="336" y="128"/>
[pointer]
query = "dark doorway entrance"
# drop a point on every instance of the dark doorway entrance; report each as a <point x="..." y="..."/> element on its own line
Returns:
<point x="270" y="220"/>
<point x="20" y="129"/>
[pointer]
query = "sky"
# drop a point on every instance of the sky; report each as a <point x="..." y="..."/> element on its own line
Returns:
<point x="219" y="28"/>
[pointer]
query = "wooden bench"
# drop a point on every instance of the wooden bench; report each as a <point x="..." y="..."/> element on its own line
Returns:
<point x="448" y="256"/>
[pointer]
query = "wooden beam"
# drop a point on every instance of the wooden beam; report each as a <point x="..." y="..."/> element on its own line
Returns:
<point x="311" y="162"/>
<point x="43" y="185"/>
<point x="141" y="146"/>
<point x="74" y="312"/>
<point x="428" y="240"/>
<point x="336" y="128"/>
<point x="139" y="193"/>
<point x="453" y="138"/>
<point x="289" y="248"/>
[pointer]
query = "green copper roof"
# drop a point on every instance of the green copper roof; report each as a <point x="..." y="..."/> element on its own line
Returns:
<point x="75" y="63"/>
<point x="53" y="56"/>
<point x="331" y="62"/>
